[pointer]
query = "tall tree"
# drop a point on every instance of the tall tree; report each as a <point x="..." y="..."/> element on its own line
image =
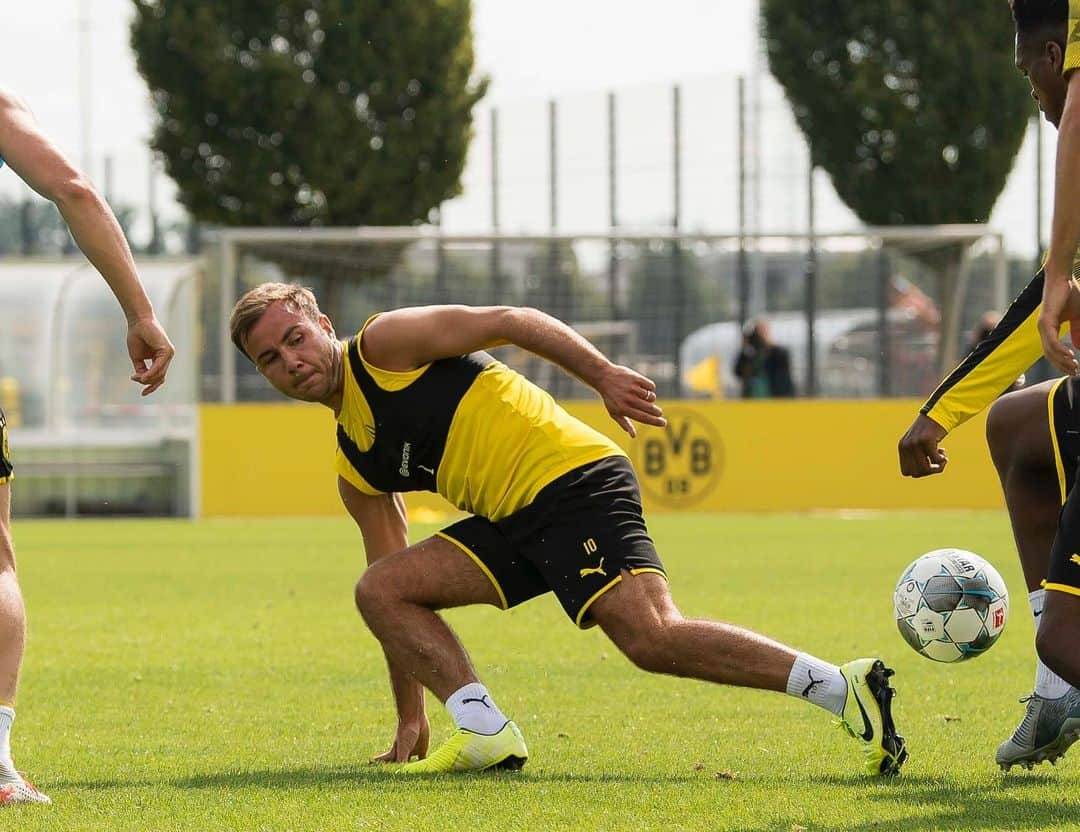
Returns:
<point x="913" y="107"/>
<point x="310" y="112"/>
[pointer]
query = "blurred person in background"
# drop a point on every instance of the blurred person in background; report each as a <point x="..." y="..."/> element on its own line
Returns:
<point x="1033" y="433"/>
<point x="41" y="165"/>
<point x="762" y="366"/>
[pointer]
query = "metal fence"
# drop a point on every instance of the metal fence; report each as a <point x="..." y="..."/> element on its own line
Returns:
<point x="862" y="313"/>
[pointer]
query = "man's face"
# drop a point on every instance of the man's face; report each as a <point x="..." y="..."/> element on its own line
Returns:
<point x="297" y="355"/>
<point x="1041" y="59"/>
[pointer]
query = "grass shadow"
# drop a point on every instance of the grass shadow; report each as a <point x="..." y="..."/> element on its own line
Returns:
<point x="313" y="776"/>
<point x="946" y="805"/>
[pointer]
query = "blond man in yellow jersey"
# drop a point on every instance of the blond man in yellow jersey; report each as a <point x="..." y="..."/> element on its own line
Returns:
<point x="40" y="164"/>
<point x="1033" y="434"/>
<point x="555" y="507"/>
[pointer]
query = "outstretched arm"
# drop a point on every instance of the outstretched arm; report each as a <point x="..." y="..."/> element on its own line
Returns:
<point x="44" y="168"/>
<point x="385" y="530"/>
<point x="991" y="368"/>
<point x="408" y="338"/>
<point x="1060" y="288"/>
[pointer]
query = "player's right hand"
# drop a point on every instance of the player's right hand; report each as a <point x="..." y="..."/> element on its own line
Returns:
<point x="410" y="743"/>
<point x="920" y="455"/>
<point x="147" y="342"/>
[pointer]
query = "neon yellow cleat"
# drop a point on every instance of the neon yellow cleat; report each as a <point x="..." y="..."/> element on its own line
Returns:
<point x="868" y="715"/>
<point x="466" y="751"/>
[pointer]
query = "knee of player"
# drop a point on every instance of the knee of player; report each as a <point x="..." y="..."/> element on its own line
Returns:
<point x="7" y="553"/>
<point x="1055" y="648"/>
<point x="371" y="590"/>
<point x="1001" y="430"/>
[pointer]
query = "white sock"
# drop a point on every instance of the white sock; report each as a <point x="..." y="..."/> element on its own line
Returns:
<point x="1048" y="684"/>
<point x="473" y="709"/>
<point x="7" y="766"/>
<point x="818" y="682"/>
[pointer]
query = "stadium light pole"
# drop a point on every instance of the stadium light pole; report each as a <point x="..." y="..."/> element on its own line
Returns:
<point x="85" y="86"/>
<point x="613" y="207"/>
<point x="742" y="277"/>
<point x="676" y="220"/>
<point x="496" y="249"/>
<point x="811" y="278"/>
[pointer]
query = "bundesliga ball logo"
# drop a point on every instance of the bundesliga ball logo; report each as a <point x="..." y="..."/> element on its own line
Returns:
<point x="951" y="605"/>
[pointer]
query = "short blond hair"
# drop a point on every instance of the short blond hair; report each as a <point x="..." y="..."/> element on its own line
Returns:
<point x="253" y="305"/>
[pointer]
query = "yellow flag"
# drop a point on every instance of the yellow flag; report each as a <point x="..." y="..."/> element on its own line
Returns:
<point x="704" y="377"/>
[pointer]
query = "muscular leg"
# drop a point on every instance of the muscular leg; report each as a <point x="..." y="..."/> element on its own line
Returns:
<point x="12" y="611"/>
<point x="1057" y="638"/>
<point x="1018" y="434"/>
<point x="398" y="596"/>
<point x="640" y="617"/>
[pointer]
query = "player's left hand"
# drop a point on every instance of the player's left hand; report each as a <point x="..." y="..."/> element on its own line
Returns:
<point x="410" y="742"/>
<point x="1059" y="297"/>
<point x="147" y="342"/>
<point x="628" y="395"/>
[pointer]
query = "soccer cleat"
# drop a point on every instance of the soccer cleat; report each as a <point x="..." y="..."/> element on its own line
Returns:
<point x="21" y="791"/>
<point x="1049" y="727"/>
<point x="468" y="751"/>
<point x="868" y="715"/>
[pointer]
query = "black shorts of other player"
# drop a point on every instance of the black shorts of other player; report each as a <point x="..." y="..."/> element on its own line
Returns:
<point x="1063" y="573"/>
<point x="575" y="539"/>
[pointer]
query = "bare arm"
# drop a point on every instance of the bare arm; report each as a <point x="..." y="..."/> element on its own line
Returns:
<point x="408" y="338"/>
<point x="39" y="163"/>
<point x="1064" y="236"/>
<point x="385" y="530"/>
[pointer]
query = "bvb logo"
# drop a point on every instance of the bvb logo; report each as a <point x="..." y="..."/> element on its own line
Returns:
<point x="682" y="463"/>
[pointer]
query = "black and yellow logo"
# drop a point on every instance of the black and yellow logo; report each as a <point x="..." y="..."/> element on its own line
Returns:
<point x="681" y="463"/>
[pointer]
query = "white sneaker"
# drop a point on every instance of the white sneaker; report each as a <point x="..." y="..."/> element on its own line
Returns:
<point x="21" y="791"/>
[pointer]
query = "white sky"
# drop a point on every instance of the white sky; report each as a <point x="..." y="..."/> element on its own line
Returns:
<point x="574" y="50"/>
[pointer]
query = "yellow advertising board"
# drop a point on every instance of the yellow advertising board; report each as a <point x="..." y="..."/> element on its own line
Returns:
<point x="273" y="460"/>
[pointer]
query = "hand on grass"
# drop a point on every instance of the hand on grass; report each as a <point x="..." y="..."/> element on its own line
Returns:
<point x="410" y="742"/>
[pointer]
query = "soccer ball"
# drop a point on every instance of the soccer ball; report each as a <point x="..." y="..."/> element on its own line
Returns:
<point x="951" y="605"/>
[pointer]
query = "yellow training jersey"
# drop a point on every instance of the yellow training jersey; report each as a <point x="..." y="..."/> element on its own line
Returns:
<point x="1072" y="44"/>
<point x="995" y="364"/>
<point x="473" y="430"/>
<point x="1015" y="344"/>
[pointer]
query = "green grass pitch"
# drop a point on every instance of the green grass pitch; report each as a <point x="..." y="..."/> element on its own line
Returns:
<point x="214" y="675"/>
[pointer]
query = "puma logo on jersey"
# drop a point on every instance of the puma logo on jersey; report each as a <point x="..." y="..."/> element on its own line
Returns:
<point x="404" y="469"/>
<point x="599" y="570"/>
<point x="1075" y="559"/>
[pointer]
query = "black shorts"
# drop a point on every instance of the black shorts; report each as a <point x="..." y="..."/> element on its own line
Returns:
<point x="5" y="455"/>
<point x="1063" y="572"/>
<point x="575" y="539"/>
